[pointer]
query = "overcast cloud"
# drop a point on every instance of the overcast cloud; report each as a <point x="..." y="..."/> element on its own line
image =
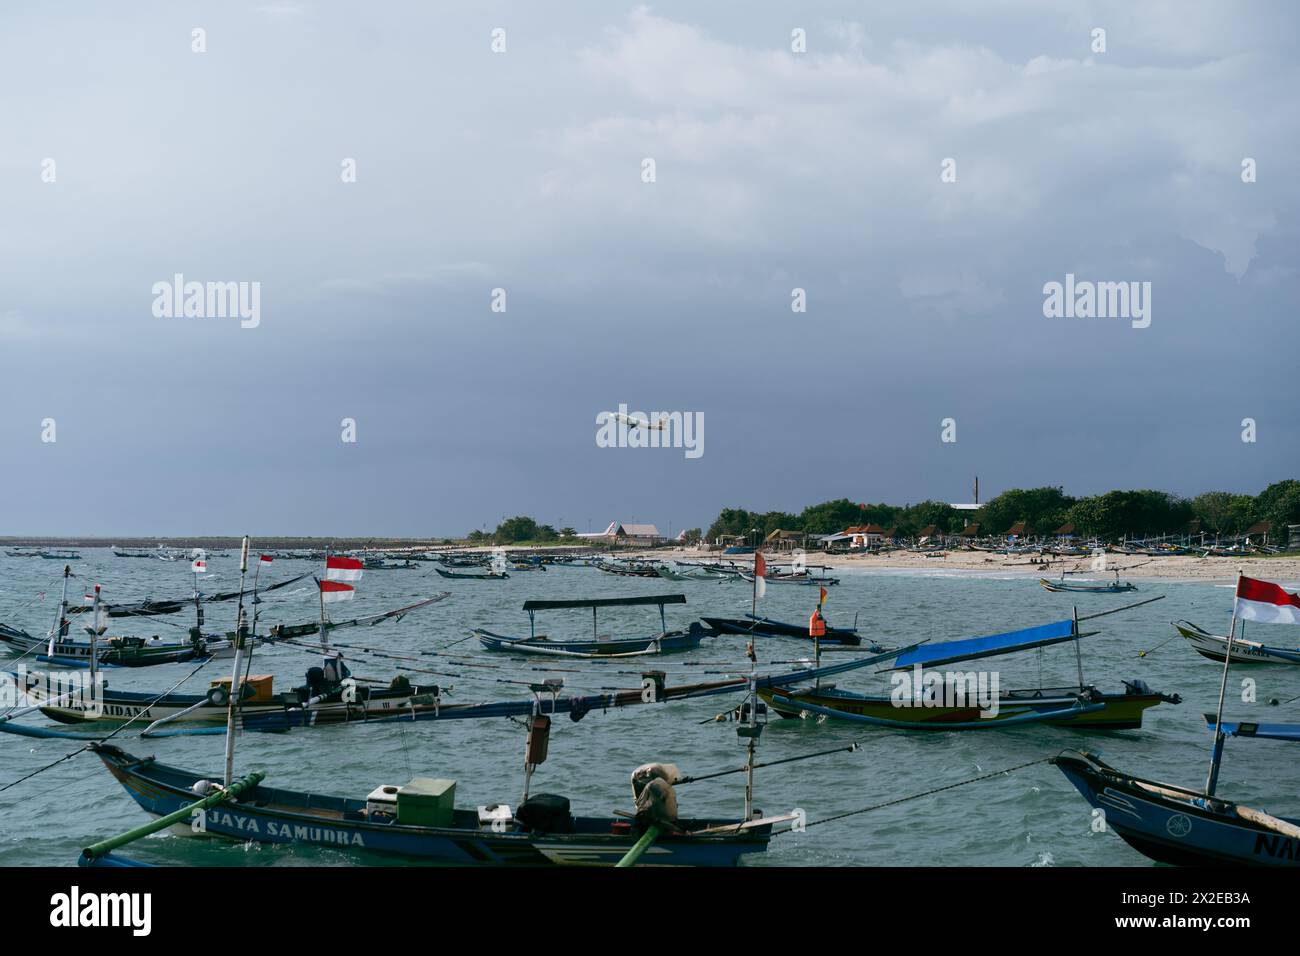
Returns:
<point x="522" y="170"/>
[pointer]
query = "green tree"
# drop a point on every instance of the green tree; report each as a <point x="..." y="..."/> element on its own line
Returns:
<point x="518" y="528"/>
<point x="1279" y="504"/>
<point x="1046" y="509"/>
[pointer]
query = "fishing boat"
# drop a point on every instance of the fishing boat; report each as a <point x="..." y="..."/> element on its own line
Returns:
<point x="539" y="832"/>
<point x="59" y="647"/>
<point x="629" y="570"/>
<point x="151" y="608"/>
<point x="1081" y="587"/>
<point x="1178" y="825"/>
<point x="959" y="702"/>
<point x="767" y="627"/>
<point x="664" y="642"/>
<point x="805" y="579"/>
<point x="1244" y="651"/>
<point x="489" y="576"/>
<point x="1184" y="826"/>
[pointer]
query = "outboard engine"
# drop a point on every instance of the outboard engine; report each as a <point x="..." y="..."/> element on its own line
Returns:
<point x="656" y="800"/>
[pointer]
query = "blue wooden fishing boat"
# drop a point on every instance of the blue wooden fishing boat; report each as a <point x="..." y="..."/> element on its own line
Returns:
<point x="540" y="832"/>
<point x="1178" y="825"/>
<point x="1113" y="587"/>
<point x="766" y="627"/>
<point x="664" y="642"/>
<point x="1182" y="826"/>
<point x="964" y="705"/>
<point x="489" y="576"/>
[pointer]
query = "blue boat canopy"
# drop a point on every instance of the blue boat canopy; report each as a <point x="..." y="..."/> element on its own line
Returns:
<point x="1250" y="729"/>
<point x="975" y="647"/>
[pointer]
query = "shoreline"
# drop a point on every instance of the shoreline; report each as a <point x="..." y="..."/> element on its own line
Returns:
<point x="1184" y="567"/>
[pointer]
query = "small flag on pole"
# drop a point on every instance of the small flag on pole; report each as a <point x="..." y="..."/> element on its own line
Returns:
<point x="332" y="592"/>
<point x="1266" y="602"/>
<point x="264" y="559"/>
<point x="760" y="575"/>
<point x="199" y="566"/>
<point x="342" y="569"/>
<point x="822" y="600"/>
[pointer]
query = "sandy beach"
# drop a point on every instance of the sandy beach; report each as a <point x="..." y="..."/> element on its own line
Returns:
<point x="1136" y="567"/>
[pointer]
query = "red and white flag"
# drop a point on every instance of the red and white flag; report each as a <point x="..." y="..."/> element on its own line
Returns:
<point x="1266" y="602"/>
<point x="760" y="575"/>
<point x="334" y="591"/>
<point x="342" y="569"/>
<point x="199" y="566"/>
<point x="264" y="558"/>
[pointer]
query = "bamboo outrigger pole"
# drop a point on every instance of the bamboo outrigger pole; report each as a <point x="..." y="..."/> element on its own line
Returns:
<point x="241" y="634"/>
<point x="1216" y="755"/>
<point x="97" y="850"/>
<point x="638" y="850"/>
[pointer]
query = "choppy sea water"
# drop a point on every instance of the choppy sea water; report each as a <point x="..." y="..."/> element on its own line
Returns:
<point x="1032" y="817"/>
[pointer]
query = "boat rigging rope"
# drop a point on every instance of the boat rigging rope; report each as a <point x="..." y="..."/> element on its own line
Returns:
<point x="109" y="736"/>
<point x="916" y="796"/>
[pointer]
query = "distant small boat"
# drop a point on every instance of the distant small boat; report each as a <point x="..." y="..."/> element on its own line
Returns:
<point x="768" y="628"/>
<point x="490" y="576"/>
<point x="1113" y="587"/>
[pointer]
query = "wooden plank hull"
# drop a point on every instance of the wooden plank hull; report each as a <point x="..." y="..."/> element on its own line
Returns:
<point x="614" y="647"/>
<point x="1183" y="828"/>
<point x="1214" y="647"/>
<point x="1102" y="711"/>
<point x="267" y="815"/>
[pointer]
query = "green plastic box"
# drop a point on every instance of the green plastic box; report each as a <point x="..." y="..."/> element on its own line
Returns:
<point x="426" y="802"/>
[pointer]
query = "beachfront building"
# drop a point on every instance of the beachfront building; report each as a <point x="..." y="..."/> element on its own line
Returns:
<point x="781" y="540"/>
<point x="1019" y="531"/>
<point x="1260" y="531"/>
<point x="633" y="535"/>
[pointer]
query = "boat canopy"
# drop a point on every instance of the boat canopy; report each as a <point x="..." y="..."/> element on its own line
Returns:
<point x="976" y="647"/>
<point x="659" y="599"/>
<point x="1250" y="729"/>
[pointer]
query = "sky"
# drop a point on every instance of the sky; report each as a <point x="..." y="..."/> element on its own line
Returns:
<point x="128" y="156"/>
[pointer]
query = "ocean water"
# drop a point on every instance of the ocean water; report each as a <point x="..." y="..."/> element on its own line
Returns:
<point x="1031" y="817"/>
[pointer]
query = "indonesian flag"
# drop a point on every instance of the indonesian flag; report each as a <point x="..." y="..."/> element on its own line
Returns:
<point x="342" y="569"/>
<point x="199" y="566"/>
<point x="333" y="591"/>
<point x="760" y="575"/>
<point x="1266" y="602"/>
<point x="264" y="558"/>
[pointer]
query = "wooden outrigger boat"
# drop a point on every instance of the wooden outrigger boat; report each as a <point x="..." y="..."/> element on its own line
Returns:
<point x="949" y="705"/>
<point x="1182" y="826"/>
<point x="628" y="570"/>
<point x="489" y="576"/>
<point x="421" y="821"/>
<point x="1214" y="646"/>
<point x="540" y="832"/>
<point x="598" y="647"/>
<point x="1111" y="587"/>
<point x="766" y="627"/>
<point x="152" y="608"/>
<point x="1178" y="825"/>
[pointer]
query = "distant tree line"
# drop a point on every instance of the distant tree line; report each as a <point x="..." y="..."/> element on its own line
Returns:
<point x="1110" y="516"/>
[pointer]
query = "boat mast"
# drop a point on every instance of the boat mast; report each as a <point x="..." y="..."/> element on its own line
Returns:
<point x="241" y="634"/>
<point x="59" y="623"/>
<point x="1216" y="755"/>
<point x="1078" y="650"/>
<point x="95" y="631"/>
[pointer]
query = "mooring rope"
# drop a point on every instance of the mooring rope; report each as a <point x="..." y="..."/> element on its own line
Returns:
<point x="109" y="736"/>
<point x="917" y="796"/>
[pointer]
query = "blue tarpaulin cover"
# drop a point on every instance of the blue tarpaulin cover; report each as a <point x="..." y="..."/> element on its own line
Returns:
<point x="974" y="647"/>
